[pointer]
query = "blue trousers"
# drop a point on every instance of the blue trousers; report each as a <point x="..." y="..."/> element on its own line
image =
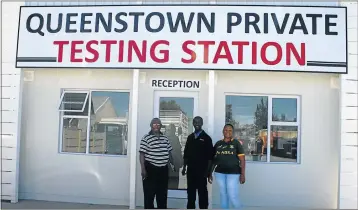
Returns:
<point x="229" y="190"/>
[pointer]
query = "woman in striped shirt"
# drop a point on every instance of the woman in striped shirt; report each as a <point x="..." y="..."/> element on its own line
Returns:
<point x="155" y="156"/>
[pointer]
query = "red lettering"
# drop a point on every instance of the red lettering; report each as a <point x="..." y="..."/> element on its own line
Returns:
<point x="240" y="50"/>
<point x="188" y="51"/>
<point x="226" y="55"/>
<point x="165" y="53"/>
<point x="60" y="49"/>
<point x="254" y="53"/>
<point x="301" y="60"/>
<point x="206" y="49"/>
<point x="121" y="51"/>
<point x="92" y="51"/>
<point x="108" y="44"/>
<point x="132" y="45"/>
<point x="74" y="51"/>
<point x="279" y="53"/>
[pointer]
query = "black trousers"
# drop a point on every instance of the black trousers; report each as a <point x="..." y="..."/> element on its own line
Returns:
<point x="197" y="181"/>
<point x="155" y="185"/>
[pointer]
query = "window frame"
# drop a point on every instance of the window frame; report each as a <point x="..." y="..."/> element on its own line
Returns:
<point x="88" y="117"/>
<point x="69" y="91"/>
<point x="270" y="122"/>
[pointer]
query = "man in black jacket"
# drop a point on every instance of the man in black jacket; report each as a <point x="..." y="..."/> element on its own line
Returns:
<point x="198" y="154"/>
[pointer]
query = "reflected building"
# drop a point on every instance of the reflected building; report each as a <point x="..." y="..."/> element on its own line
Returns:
<point x="108" y="134"/>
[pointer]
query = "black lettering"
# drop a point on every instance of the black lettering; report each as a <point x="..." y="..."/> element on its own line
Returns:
<point x="175" y="83"/>
<point x="314" y="21"/>
<point x="165" y="83"/>
<point x="84" y="22"/>
<point x="39" y="27"/>
<point x="279" y="29"/>
<point x="136" y="19"/>
<point x="59" y="23"/>
<point x="189" y="84"/>
<point x="69" y="22"/>
<point x="209" y="26"/>
<point x="301" y="26"/>
<point x="161" y="22"/>
<point x="121" y="22"/>
<point x="196" y="84"/>
<point x="159" y="83"/>
<point x="180" y="83"/>
<point x="248" y="22"/>
<point x="180" y="18"/>
<point x="328" y="24"/>
<point x="170" y="83"/>
<point x="106" y="25"/>
<point x="154" y="83"/>
<point x="265" y="23"/>
<point x="230" y="23"/>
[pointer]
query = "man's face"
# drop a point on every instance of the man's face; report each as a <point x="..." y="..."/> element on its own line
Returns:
<point x="156" y="126"/>
<point x="197" y="123"/>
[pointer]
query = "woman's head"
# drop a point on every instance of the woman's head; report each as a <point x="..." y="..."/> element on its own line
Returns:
<point x="228" y="131"/>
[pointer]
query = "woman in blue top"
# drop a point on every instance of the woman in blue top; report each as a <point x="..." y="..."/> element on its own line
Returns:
<point x="229" y="166"/>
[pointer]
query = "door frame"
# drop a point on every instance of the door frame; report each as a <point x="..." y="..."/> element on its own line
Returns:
<point x="179" y="194"/>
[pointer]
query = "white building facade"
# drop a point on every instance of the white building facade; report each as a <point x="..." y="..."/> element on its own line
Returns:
<point x="70" y="131"/>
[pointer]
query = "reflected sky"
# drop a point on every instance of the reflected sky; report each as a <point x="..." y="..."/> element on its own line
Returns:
<point x="120" y="101"/>
<point x="244" y="107"/>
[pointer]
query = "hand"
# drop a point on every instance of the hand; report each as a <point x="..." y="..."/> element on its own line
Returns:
<point x="172" y="167"/>
<point x="144" y="174"/>
<point x="210" y="179"/>
<point x="242" y="179"/>
<point x="183" y="172"/>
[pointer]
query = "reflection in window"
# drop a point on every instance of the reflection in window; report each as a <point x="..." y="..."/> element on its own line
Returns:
<point x="284" y="109"/>
<point x="250" y="117"/>
<point x="107" y="120"/>
<point x="248" y="114"/>
<point x="109" y="123"/>
<point x="74" y="135"/>
<point x="284" y="143"/>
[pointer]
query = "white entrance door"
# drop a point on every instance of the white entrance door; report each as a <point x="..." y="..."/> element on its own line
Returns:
<point x="176" y="109"/>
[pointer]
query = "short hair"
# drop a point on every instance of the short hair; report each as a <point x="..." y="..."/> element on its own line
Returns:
<point x="198" y="117"/>
<point x="155" y="119"/>
<point x="229" y="124"/>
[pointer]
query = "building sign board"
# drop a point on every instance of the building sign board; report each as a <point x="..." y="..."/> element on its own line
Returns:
<point x="220" y="37"/>
<point x="175" y="84"/>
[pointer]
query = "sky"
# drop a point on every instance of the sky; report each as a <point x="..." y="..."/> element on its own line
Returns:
<point x="120" y="101"/>
<point x="244" y="107"/>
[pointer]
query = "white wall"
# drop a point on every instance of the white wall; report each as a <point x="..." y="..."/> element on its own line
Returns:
<point x="348" y="196"/>
<point x="313" y="183"/>
<point x="48" y="175"/>
<point x="10" y="114"/>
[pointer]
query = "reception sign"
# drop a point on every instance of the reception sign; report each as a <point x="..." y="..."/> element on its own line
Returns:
<point x="220" y="37"/>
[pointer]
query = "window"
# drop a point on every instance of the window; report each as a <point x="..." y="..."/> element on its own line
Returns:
<point x="94" y="122"/>
<point x="256" y="116"/>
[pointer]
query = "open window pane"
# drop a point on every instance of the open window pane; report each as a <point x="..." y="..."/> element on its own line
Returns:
<point x="109" y="123"/>
<point x="74" y="135"/>
<point x="284" y="141"/>
<point x="73" y="101"/>
<point x="284" y="109"/>
<point x="249" y="114"/>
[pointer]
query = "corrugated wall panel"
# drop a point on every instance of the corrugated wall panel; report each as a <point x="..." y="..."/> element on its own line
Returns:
<point x="349" y="106"/>
<point x="10" y="107"/>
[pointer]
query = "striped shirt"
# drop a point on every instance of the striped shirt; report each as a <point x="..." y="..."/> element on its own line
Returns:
<point x="156" y="149"/>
